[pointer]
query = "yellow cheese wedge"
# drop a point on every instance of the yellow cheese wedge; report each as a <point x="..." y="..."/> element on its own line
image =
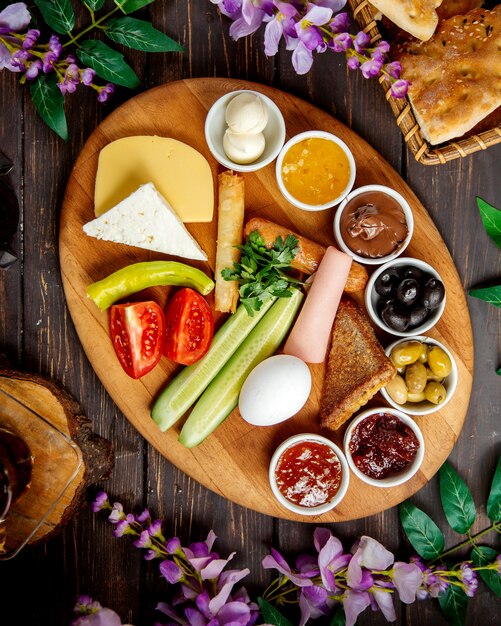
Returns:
<point x="180" y="173"/>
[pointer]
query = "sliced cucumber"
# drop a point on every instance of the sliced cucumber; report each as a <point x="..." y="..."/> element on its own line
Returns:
<point x="191" y="382"/>
<point x="221" y="396"/>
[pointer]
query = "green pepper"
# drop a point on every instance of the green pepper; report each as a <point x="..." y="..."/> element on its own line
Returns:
<point x="139" y="276"/>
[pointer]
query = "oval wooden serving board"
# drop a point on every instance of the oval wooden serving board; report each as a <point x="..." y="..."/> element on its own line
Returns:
<point x="234" y="460"/>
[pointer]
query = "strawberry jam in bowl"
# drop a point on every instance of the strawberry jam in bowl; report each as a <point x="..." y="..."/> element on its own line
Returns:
<point x="309" y="474"/>
<point x="384" y="447"/>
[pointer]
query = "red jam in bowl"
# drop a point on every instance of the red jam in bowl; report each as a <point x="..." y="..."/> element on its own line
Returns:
<point x="308" y="474"/>
<point x="382" y="445"/>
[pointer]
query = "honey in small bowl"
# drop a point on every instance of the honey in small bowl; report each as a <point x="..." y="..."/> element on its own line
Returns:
<point x="315" y="170"/>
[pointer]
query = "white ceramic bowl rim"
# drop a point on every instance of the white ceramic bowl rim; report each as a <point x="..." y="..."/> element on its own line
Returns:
<point x="408" y="217"/>
<point x="322" y="134"/>
<point x="369" y="292"/>
<point x="345" y="475"/>
<point x="404" y="475"/>
<point x="450" y="383"/>
<point x="272" y="148"/>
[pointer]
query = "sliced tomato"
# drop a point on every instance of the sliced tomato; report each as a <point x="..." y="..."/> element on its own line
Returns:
<point x="138" y="334"/>
<point x="189" y="327"/>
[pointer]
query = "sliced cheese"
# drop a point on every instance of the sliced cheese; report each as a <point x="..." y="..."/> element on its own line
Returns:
<point x="145" y="219"/>
<point x="180" y="173"/>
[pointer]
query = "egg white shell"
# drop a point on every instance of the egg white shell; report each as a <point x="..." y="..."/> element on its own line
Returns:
<point x="275" y="390"/>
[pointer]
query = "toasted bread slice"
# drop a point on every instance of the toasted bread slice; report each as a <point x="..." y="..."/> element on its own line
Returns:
<point x="357" y="366"/>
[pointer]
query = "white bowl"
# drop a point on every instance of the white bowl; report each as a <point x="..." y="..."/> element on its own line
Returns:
<point x="215" y="126"/>
<point x="322" y="508"/>
<point x="402" y="476"/>
<point x="408" y="218"/>
<point x="372" y="298"/>
<point x="313" y="134"/>
<point x="425" y="407"/>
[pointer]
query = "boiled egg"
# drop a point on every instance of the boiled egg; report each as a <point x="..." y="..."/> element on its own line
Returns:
<point x="275" y="390"/>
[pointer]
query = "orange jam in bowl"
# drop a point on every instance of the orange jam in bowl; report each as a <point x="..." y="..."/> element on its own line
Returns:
<point x="315" y="170"/>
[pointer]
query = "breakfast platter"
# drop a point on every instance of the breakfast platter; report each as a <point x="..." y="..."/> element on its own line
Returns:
<point x="233" y="461"/>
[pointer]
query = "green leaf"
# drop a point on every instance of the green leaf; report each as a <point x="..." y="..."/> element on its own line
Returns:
<point x="139" y="35"/>
<point x="457" y="500"/>
<point x="491" y="217"/>
<point x="425" y="536"/>
<point x="58" y="14"/>
<point x="108" y="63"/>
<point x="94" y="5"/>
<point x="49" y="103"/>
<point x="494" y="500"/>
<point x="482" y="556"/>
<point x="129" y="6"/>
<point x="271" y="615"/>
<point x="339" y="618"/>
<point x="498" y="371"/>
<point x="454" y="603"/>
<point x="492" y="295"/>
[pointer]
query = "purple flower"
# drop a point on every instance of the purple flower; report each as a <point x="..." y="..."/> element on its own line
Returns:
<point x="302" y="58"/>
<point x="393" y="69"/>
<point x="379" y="52"/>
<point x="101" y="501"/>
<point x="307" y="29"/>
<point x="354" y="603"/>
<point x="105" y="92"/>
<point x="250" y="20"/>
<point x="123" y="527"/>
<point x="104" y="617"/>
<point x="87" y="75"/>
<point x="55" y="45"/>
<point x="145" y="517"/>
<point x="117" y="513"/>
<point x="371" y="68"/>
<point x="400" y="88"/>
<point x="173" y="546"/>
<point x="14" y="18"/>
<point x="469" y="579"/>
<point x="331" y="560"/>
<point x="313" y="602"/>
<point x="340" y="23"/>
<point x="171" y="572"/>
<point x="407" y="578"/>
<point x="49" y="58"/>
<point x="30" y="38"/>
<point x="144" y="540"/>
<point x="19" y="59"/>
<point x="353" y="63"/>
<point x="369" y="554"/>
<point x="342" y="42"/>
<point x="361" y="41"/>
<point x="276" y="561"/>
<point x="282" y="24"/>
<point x="155" y="530"/>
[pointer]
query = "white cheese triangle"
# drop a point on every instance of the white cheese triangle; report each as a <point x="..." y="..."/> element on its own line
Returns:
<point x="145" y="219"/>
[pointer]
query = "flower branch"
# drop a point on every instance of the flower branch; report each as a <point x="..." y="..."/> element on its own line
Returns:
<point x="53" y="75"/>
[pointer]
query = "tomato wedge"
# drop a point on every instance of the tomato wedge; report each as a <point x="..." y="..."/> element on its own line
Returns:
<point x="189" y="327"/>
<point x="138" y="333"/>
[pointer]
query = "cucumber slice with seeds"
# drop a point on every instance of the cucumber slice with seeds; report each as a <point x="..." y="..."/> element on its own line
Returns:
<point x="221" y="396"/>
<point x="190" y="383"/>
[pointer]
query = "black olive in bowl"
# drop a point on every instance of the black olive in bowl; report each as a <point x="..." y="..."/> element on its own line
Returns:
<point x="405" y="297"/>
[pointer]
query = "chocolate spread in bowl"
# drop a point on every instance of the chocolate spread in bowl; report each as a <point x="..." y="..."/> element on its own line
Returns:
<point x="373" y="224"/>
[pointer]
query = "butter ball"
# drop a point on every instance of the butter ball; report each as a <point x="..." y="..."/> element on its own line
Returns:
<point x="247" y="113"/>
<point x="243" y="148"/>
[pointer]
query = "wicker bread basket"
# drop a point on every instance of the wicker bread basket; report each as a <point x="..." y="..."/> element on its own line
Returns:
<point x="423" y="151"/>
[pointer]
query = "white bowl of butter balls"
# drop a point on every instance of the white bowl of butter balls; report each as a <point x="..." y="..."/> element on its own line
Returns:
<point x="244" y="130"/>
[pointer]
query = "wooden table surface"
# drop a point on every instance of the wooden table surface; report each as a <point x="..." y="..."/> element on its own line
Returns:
<point x="40" y="586"/>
